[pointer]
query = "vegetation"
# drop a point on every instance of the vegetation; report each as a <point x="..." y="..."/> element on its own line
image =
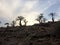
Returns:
<point x="20" y="18"/>
<point x="7" y="24"/>
<point x="13" y="23"/>
<point x="44" y="20"/>
<point x="52" y="15"/>
<point x="41" y="34"/>
<point x="40" y="18"/>
<point x="25" y="22"/>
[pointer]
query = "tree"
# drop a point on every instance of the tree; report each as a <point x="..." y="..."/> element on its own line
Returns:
<point x="25" y="22"/>
<point x="44" y="20"/>
<point x="7" y="24"/>
<point x="52" y="15"/>
<point x="40" y="18"/>
<point x="20" y="18"/>
<point x="0" y="22"/>
<point x="13" y="23"/>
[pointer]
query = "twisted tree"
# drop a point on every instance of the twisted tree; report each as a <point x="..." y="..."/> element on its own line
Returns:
<point x="40" y="18"/>
<point x="25" y="22"/>
<point x="20" y="18"/>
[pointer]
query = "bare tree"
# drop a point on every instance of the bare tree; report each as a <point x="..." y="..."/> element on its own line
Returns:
<point x="13" y="23"/>
<point x="52" y="15"/>
<point x="20" y="18"/>
<point x="25" y="22"/>
<point x="40" y="18"/>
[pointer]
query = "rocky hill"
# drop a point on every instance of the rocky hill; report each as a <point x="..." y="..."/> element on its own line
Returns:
<point x="38" y="34"/>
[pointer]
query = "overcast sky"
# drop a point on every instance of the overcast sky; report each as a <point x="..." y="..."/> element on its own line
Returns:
<point x="30" y="9"/>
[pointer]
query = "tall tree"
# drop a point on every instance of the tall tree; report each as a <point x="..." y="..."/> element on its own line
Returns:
<point x="7" y="24"/>
<point x="40" y="18"/>
<point x="13" y="23"/>
<point x="52" y="15"/>
<point x="20" y="18"/>
<point x="25" y="22"/>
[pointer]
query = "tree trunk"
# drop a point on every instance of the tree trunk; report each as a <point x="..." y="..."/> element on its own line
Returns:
<point x="25" y="23"/>
<point x="39" y="21"/>
<point x="52" y="19"/>
<point x="20" y="23"/>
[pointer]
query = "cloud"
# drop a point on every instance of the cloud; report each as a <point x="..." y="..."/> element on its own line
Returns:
<point x="30" y="9"/>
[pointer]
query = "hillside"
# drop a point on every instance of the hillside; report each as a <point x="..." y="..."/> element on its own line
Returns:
<point x="38" y="34"/>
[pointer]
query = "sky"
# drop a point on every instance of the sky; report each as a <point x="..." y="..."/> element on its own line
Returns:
<point x="30" y="9"/>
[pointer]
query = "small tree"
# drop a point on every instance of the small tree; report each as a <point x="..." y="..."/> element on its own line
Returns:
<point x="52" y="15"/>
<point x="7" y="24"/>
<point x="20" y="18"/>
<point x="44" y="20"/>
<point x="40" y="18"/>
<point x="25" y="22"/>
<point x="13" y="23"/>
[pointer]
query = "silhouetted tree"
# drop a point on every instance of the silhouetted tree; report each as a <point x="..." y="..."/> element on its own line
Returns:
<point x="52" y="15"/>
<point x="44" y="20"/>
<point x="7" y="24"/>
<point x="40" y="18"/>
<point x="25" y="22"/>
<point x="13" y="23"/>
<point x="20" y="18"/>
